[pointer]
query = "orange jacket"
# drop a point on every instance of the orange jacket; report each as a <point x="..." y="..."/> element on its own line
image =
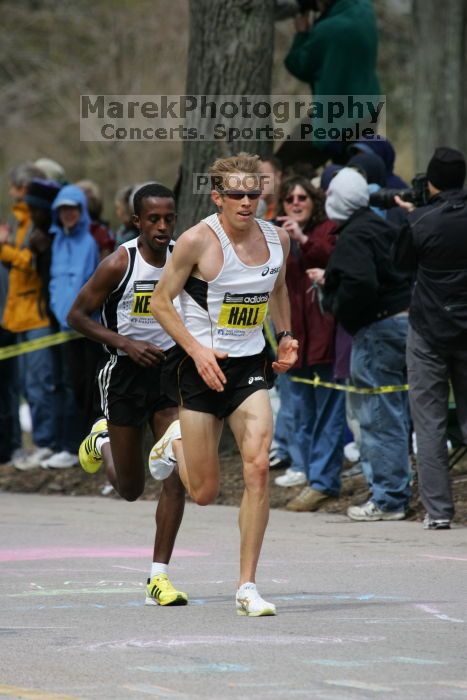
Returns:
<point x="24" y="307"/>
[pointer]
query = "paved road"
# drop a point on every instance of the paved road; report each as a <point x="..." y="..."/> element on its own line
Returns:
<point x="366" y="610"/>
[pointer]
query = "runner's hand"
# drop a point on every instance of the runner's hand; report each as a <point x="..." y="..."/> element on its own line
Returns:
<point x="144" y="354"/>
<point x="205" y="360"/>
<point x="286" y="354"/>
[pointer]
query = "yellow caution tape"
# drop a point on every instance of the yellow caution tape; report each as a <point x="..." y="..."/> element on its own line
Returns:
<point x="38" y="344"/>
<point x="316" y="381"/>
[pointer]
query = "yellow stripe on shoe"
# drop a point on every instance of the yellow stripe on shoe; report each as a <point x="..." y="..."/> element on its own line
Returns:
<point x="160" y="591"/>
<point x="90" y="457"/>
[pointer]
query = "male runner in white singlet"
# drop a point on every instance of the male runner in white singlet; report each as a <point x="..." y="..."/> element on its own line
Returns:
<point x="129" y="382"/>
<point x="226" y="270"/>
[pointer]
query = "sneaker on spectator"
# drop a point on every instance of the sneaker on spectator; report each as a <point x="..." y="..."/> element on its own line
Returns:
<point x="60" y="460"/>
<point x="351" y="452"/>
<point x="292" y="477"/>
<point x="107" y="489"/>
<point x="369" y="511"/>
<point x="24" y="460"/>
<point x="430" y="523"/>
<point x="278" y="461"/>
<point x="308" y="500"/>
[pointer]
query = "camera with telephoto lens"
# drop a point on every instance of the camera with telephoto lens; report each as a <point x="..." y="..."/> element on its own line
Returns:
<point x="418" y="194"/>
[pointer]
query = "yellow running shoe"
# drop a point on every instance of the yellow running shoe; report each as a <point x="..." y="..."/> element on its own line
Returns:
<point x="90" y="457"/>
<point x="160" y="591"/>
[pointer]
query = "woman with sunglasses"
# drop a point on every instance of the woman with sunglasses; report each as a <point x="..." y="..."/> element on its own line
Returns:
<point x="318" y="413"/>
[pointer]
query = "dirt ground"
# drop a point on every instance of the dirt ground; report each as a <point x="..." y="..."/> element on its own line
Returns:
<point x="75" y="482"/>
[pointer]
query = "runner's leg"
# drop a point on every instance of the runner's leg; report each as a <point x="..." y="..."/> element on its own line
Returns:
<point x="171" y="504"/>
<point x="252" y="426"/>
<point x="123" y="459"/>
<point x="201" y="434"/>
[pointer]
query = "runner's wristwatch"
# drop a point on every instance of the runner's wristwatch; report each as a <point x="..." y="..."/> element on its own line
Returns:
<point x="283" y="334"/>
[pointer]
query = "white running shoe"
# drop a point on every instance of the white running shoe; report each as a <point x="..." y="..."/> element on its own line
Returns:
<point x="351" y="452"/>
<point x="161" y="458"/>
<point x="32" y="459"/>
<point x="292" y="477"/>
<point x="60" y="460"/>
<point x="250" y="603"/>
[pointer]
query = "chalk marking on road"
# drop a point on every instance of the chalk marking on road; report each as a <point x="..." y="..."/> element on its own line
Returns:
<point x="77" y="606"/>
<point x="157" y="690"/>
<point x="359" y="685"/>
<point x="13" y="691"/>
<point x="436" y="613"/>
<point x="195" y="668"/>
<point x="441" y="557"/>
<point x="129" y="568"/>
<point x="70" y="591"/>
<point x="344" y="663"/>
<point x="231" y="640"/>
<point x="316" y="596"/>
<point x="41" y="553"/>
<point x="50" y="627"/>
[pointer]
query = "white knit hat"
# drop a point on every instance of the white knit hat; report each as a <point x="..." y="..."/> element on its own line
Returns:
<point x="348" y="191"/>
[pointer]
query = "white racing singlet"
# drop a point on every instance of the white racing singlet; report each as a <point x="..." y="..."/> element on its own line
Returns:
<point x="126" y="310"/>
<point x="227" y="314"/>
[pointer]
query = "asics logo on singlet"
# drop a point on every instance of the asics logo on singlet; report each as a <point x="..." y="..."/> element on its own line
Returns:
<point x="272" y="271"/>
<point x="255" y="379"/>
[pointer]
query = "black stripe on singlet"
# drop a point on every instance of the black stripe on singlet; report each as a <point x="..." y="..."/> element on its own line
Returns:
<point x="109" y="309"/>
<point x="198" y="291"/>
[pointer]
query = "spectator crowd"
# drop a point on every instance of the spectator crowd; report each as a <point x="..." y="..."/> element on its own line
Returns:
<point x="351" y="276"/>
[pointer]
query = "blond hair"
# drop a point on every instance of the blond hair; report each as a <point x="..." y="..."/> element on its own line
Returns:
<point x="240" y="163"/>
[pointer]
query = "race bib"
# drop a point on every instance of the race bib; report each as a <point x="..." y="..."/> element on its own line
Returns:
<point x="243" y="312"/>
<point x="142" y="292"/>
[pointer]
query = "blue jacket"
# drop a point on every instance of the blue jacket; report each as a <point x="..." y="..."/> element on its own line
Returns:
<point x="74" y="255"/>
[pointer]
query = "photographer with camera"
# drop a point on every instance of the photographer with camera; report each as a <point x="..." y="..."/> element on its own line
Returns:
<point x="433" y="246"/>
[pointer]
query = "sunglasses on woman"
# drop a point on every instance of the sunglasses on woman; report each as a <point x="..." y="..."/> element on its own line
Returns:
<point x="292" y="197"/>
<point x="239" y="194"/>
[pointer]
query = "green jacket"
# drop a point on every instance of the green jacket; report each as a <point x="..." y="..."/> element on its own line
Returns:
<point x="339" y="53"/>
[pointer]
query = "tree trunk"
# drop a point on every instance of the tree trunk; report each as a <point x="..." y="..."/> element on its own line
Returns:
<point x="440" y="77"/>
<point x="230" y="53"/>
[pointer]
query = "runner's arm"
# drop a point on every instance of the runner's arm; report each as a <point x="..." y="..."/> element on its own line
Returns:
<point x="186" y="254"/>
<point x="105" y="280"/>
<point x="279" y="310"/>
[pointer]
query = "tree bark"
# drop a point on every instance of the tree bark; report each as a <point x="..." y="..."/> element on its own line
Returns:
<point x="440" y="77"/>
<point x="230" y="53"/>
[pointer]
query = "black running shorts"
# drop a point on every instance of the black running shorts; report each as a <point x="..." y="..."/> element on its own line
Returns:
<point x="128" y="394"/>
<point x="245" y="375"/>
